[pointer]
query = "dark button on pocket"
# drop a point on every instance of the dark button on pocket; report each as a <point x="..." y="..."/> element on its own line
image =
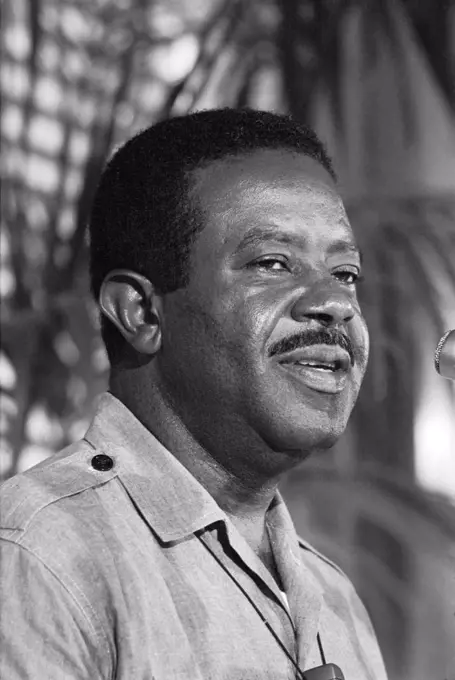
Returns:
<point x="102" y="462"/>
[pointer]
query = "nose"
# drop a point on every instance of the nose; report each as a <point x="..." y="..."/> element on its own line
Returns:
<point x="329" y="306"/>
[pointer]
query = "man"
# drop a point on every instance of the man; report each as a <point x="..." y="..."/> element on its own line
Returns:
<point x="158" y="546"/>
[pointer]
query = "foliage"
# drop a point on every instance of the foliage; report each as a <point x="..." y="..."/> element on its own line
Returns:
<point x="80" y="76"/>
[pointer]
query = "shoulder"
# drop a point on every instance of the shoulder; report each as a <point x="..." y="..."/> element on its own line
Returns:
<point x="341" y="597"/>
<point x="50" y="573"/>
<point x="54" y="522"/>
<point x="325" y="568"/>
<point x="336" y="585"/>
<point x="339" y="592"/>
<point x="57" y="513"/>
<point x="26" y="496"/>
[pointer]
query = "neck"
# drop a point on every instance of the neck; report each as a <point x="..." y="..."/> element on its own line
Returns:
<point x="229" y="476"/>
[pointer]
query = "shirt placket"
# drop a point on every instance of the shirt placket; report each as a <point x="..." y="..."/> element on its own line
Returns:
<point x="260" y="586"/>
<point x="303" y="592"/>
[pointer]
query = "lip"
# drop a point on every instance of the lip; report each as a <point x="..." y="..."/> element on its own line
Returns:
<point x="324" y="354"/>
<point x="320" y="380"/>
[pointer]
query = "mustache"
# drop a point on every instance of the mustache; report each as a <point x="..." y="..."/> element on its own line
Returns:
<point x="323" y="336"/>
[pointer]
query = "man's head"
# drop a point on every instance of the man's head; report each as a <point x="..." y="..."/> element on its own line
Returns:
<point x="225" y="265"/>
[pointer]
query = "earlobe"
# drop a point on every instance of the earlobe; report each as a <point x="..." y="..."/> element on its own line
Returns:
<point x="131" y="303"/>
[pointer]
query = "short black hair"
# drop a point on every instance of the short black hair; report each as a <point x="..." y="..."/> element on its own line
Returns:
<point x="144" y="216"/>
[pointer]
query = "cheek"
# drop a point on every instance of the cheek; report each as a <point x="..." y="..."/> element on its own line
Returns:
<point x="217" y="341"/>
<point x="200" y="357"/>
<point x="361" y="341"/>
<point x="365" y="341"/>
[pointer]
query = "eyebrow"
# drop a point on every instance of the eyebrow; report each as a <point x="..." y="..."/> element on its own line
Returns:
<point x="343" y="247"/>
<point x="258" y="235"/>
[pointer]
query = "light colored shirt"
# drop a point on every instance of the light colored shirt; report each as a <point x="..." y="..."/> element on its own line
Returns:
<point x="120" y="574"/>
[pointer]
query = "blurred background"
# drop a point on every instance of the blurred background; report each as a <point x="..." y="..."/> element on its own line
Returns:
<point x="376" y="79"/>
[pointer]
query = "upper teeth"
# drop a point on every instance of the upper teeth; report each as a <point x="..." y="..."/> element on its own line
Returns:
<point x="318" y="364"/>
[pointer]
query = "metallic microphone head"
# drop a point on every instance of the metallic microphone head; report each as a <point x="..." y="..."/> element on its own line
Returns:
<point x="444" y="358"/>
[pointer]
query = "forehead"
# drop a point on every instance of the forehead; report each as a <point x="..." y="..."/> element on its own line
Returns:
<point x="267" y="184"/>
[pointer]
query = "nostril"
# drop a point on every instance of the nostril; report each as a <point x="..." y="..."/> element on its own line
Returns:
<point x="327" y="307"/>
<point x="322" y="317"/>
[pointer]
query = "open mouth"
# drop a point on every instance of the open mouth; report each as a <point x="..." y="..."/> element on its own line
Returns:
<point x="331" y="366"/>
<point x="322" y="368"/>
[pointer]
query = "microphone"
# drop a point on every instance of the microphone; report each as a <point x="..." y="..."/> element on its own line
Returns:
<point x="444" y="358"/>
<point x="329" y="671"/>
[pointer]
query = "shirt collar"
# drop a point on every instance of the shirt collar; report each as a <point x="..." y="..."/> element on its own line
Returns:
<point x="169" y="497"/>
<point x="175" y="505"/>
<point x="171" y="500"/>
<point x="305" y="595"/>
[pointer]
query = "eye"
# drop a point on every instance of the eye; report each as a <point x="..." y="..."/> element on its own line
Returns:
<point x="270" y="264"/>
<point x="349" y="276"/>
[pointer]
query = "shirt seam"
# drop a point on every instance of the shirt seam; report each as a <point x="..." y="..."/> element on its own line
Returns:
<point x="79" y="605"/>
<point x="303" y="545"/>
<point x="24" y="499"/>
<point x="27" y="522"/>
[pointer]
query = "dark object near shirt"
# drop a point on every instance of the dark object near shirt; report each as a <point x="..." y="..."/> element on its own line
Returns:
<point x="105" y="575"/>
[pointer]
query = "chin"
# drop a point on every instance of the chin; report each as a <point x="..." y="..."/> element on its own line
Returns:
<point x="321" y="441"/>
<point x="310" y="432"/>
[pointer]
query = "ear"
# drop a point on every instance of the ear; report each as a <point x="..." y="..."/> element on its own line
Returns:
<point x="131" y="303"/>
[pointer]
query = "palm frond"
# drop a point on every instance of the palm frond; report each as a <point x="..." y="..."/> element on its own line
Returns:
<point x="433" y="25"/>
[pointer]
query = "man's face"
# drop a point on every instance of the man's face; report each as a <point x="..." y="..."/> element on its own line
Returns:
<point x="268" y="335"/>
